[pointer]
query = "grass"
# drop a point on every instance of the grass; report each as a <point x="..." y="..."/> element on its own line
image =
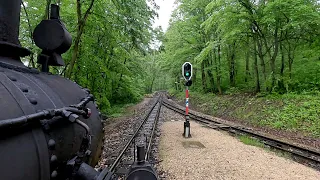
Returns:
<point x="283" y="154"/>
<point x="119" y="110"/>
<point x="291" y="112"/>
<point x="255" y="142"/>
<point x="250" y="141"/>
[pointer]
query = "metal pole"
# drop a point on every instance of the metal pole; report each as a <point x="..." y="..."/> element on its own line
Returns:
<point x="187" y="101"/>
<point x="187" y="133"/>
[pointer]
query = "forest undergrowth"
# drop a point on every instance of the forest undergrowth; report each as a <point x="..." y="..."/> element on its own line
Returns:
<point x="289" y="112"/>
<point x="255" y="62"/>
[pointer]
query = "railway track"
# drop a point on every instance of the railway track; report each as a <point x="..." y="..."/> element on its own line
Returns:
<point x="301" y="154"/>
<point x="138" y="148"/>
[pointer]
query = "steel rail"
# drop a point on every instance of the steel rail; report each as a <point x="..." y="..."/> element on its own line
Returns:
<point x="146" y="157"/>
<point x="303" y="152"/>
<point x="107" y="173"/>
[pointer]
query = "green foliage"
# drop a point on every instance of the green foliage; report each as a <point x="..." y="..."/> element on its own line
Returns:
<point x="298" y="112"/>
<point x="291" y="112"/>
<point x="255" y="142"/>
<point x="119" y="110"/>
<point x="114" y="59"/>
<point x="172" y="92"/>
<point x="250" y="141"/>
<point x="262" y="55"/>
<point x="223" y="39"/>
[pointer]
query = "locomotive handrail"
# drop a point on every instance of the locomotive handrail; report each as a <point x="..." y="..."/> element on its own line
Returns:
<point x="70" y="112"/>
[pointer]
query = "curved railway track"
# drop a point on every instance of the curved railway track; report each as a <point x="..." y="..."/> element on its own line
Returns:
<point x="303" y="155"/>
<point x="142" y="138"/>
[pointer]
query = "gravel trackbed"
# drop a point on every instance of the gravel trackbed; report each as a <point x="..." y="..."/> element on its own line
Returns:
<point x="223" y="157"/>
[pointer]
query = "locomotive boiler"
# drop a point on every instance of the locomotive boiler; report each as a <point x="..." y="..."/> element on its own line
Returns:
<point x="50" y="127"/>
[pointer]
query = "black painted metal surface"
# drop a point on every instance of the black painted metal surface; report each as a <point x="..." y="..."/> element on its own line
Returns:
<point x="9" y="29"/>
<point x="37" y="151"/>
<point x="142" y="171"/>
<point x="26" y="148"/>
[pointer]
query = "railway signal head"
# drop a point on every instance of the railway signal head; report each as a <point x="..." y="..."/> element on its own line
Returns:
<point x="187" y="71"/>
<point x="188" y="83"/>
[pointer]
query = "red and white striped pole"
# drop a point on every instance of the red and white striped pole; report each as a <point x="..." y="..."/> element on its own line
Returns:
<point x="187" y="133"/>
<point x="187" y="101"/>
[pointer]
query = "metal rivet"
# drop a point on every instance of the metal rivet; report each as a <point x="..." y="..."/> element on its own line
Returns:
<point x="54" y="174"/>
<point x="51" y="144"/>
<point x="53" y="159"/>
<point x="12" y="78"/>
<point x="33" y="101"/>
<point x="24" y="89"/>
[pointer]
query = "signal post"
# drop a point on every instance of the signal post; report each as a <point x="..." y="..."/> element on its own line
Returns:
<point x="187" y="74"/>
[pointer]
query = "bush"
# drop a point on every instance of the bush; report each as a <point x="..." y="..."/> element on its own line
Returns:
<point x="290" y="111"/>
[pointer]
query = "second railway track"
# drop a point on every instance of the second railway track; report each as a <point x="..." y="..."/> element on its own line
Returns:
<point x="304" y="155"/>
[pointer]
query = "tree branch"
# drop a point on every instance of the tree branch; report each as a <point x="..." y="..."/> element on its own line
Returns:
<point x="31" y="35"/>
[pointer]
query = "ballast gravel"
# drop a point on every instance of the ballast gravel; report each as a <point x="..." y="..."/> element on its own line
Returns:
<point x="224" y="156"/>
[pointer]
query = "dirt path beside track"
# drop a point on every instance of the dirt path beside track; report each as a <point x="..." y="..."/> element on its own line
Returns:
<point x="222" y="157"/>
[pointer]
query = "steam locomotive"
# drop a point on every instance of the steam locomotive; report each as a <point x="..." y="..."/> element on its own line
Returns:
<point x="46" y="121"/>
<point x="50" y="127"/>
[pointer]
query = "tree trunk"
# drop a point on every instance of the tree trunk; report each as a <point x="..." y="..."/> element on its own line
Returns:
<point x="80" y="28"/>
<point x="150" y="88"/>
<point x="290" y="52"/>
<point x="203" y="77"/>
<point x="121" y="75"/>
<point x="218" y="70"/>
<point x="78" y="67"/>
<point x="275" y="54"/>
<point x="211" y="80"/>
<point x="261" y="56"/>
<point x="290" y="59"/>
<point x="282" y="60"/>
<point x="232" y="65"/>
<point x="31" y="37"/>
<point x="256" y="70"/>
<point x="281" y="83"/>
<point x="290" y="65"/>
<point x="247" y="61"/>
<point x="46" y="12"/>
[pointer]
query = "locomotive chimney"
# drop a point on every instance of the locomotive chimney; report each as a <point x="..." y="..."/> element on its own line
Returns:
<point x="9" y="31"/>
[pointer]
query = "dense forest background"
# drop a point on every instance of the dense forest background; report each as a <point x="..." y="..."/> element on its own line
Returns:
<point x="255" y="61"/>
<point x="248" y="45"/>
<point x="110" y="53"/>
<point x="254" y="46"/>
